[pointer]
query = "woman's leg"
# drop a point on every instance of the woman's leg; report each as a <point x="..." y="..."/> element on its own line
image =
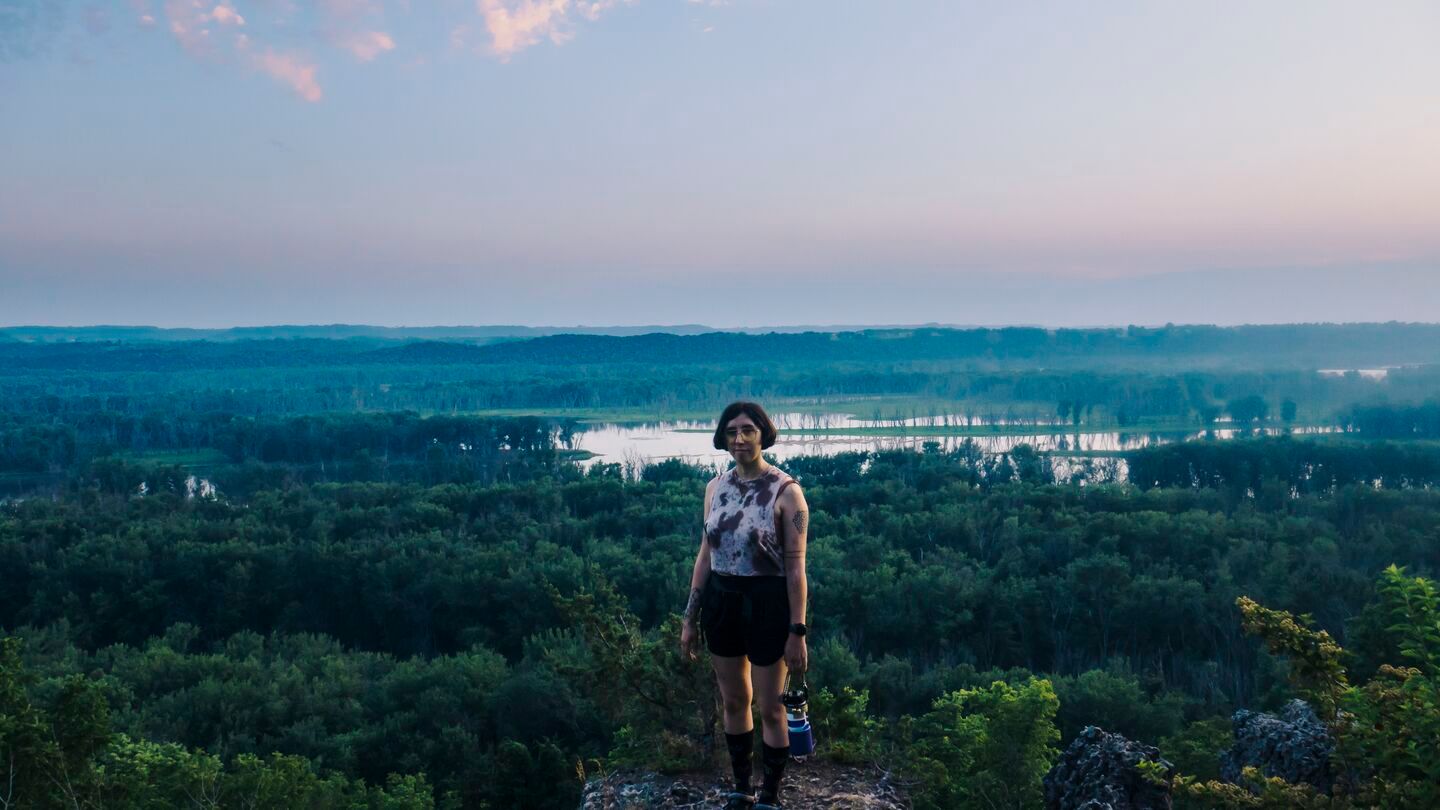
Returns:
<point x="769" y="683"/>
<point x="733" y="674"/>
<point x="734" y="677"/>
<point x="775" y="731"/>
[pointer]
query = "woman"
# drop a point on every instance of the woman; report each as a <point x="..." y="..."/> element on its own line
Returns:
<point x="747" y="597"/>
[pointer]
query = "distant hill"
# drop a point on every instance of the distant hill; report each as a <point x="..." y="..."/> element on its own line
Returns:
<point x="1306" y="346"/>
<point x="467" y="334"/>
<point x="481" y="334"/>
<point x="1303" y="345"/>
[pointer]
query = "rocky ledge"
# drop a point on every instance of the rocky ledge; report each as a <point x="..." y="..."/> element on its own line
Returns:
<point x="808" y="786"/>
<point x="1294" y="746"/>
<point x="1101" y="771"/>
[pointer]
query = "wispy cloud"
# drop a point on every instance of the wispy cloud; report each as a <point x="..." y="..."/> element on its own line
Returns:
<point x="268" y="35"/>
<point x="515" y="25"/>
<point x="190" y="23"/>
<point x="355" y="26"/>
<point x="292" y="70"/>
<point x="226" y="15"/>
<point x="366" y="45"/>
<point x="195" y="25"/>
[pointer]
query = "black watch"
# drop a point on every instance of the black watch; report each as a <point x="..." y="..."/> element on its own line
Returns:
<point x="798" y="629"/>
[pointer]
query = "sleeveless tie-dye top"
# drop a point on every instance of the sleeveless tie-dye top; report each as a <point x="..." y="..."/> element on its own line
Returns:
<point x="744" y="540"/>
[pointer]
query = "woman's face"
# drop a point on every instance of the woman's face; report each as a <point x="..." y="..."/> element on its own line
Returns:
<point x="742" y="438"/>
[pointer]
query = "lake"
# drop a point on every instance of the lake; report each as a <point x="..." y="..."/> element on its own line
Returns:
<point x="634" y="445"/>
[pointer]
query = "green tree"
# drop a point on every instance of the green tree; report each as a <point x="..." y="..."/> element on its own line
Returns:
<point x="664" y="705"/>
<point x="988" y="747"/>
<point x="1387" y="730"/>
<point x="1248" y="409"/>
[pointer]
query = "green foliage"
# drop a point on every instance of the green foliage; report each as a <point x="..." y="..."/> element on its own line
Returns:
<point x="1280" y="467"/>
<point x="1116" y="702"/>
<point x="368" y="593"/>
<point x="844" y="730"/>
<point x="663" y="703"/>
<point x="64" y="755"/>
<point x="833" y="664"/>
<point x="1393" y="728"/>
<point x="1248" y="409"/>
<point x="1257" y="792"/>
<point x="983" y="748"/>
<point x="1317" y="668"/>
<point x="1387" y="730"/>
<point x="1414" y="608"/>
<point x="533" y="776"/>
<point x="1195" y="750"/>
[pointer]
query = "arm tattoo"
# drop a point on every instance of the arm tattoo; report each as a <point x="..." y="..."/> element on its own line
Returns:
<point x="798" y="520"/>
<point x="692" y="608"/>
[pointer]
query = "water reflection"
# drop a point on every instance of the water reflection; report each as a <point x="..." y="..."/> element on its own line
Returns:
<point x="635" y="445"/>
<point x="1368" y="373"/>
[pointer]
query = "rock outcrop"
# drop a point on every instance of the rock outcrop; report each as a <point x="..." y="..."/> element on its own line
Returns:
<point x="817" y="785"/>
<point x="1295" y="746"/>
<point x="1099" y="771"/>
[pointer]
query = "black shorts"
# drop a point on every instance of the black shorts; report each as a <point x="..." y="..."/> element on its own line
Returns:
<point x="747" y="616"/>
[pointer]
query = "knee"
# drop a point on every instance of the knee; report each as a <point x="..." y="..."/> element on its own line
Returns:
<point x="736" y="704"/>
<point x="772" y="714"/>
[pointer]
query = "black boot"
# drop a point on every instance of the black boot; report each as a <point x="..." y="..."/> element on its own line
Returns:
<point x="772" y="761"/>
<point x="740" y="745"/>
<point x="739" y="801"/>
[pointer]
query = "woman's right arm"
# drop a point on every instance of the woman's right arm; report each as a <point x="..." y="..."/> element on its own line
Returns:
<point x="697" y="578"/>
<point x="697" y="585"/>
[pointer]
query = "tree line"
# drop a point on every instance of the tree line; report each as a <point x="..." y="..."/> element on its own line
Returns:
<point x="304" y="617"/>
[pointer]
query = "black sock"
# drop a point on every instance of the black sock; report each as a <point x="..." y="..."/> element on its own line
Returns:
<point x="740" y="746"/>
<point x="772" y="760"/>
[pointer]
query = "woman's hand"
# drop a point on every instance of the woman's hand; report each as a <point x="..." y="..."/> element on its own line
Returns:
<point x="689" y="641"/>
<point x="797" y="657"/>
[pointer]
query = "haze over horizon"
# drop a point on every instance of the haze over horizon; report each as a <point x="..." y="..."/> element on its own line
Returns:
<point x="733" y="163"/>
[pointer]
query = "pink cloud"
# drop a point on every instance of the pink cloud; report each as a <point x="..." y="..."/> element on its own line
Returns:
<point x="292" y="70"/>
<point x="515" y="25"/>
<point x="191" y="23"/>
<point x="352" y="25"/>
<point x="187" y="23"/>
<point x="591" y="10"/>
<point x="366" y="45"/>
<point x="226" y="15"/>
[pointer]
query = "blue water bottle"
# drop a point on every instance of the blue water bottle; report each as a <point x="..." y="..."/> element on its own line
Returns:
<point x="797" y="703"/>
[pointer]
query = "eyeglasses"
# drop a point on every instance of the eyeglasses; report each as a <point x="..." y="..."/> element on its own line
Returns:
<point x="746" y="432"/>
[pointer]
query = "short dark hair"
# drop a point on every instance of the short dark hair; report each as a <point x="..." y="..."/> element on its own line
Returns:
<point x="756" y="414"/>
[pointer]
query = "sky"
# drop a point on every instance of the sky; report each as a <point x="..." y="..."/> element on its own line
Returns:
<point x="728" y="162"/>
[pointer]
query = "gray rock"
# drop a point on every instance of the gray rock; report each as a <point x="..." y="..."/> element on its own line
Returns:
<point x="812" y="784"/>
<point x="1295" y="746"/>
<point x="1098" y="772"/>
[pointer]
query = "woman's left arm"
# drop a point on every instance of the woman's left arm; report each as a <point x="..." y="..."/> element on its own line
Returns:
<point x="795" y="519"/>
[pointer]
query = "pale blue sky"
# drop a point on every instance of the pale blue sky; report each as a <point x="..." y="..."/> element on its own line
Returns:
<point x="175" y="162"/>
